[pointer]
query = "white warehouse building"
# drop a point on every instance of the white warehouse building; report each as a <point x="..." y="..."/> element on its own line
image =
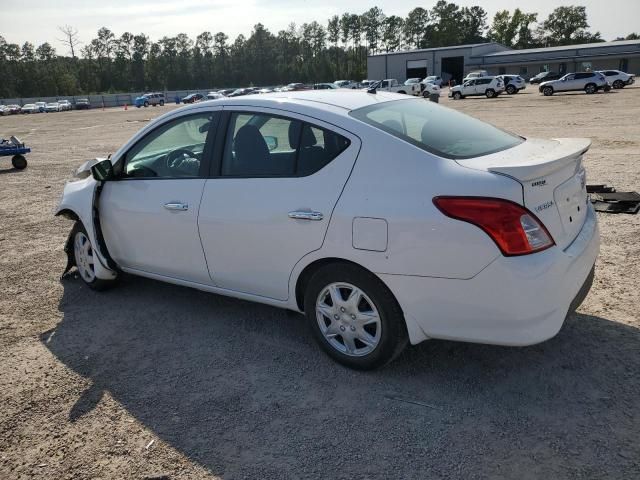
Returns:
<point x="455" y="62"/>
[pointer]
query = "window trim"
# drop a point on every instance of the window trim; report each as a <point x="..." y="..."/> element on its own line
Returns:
<point x="206" y="152"/>
<point x="224" y="126"/>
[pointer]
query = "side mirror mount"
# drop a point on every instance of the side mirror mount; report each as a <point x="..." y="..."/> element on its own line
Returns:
<point x="272" y="142"/>
<point x="103" y="171"/>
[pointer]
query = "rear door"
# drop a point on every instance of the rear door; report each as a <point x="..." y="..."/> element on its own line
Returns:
<point x="276" y="181"/>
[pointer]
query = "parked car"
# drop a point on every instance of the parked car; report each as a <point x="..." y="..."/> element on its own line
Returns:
<point x="490" y="87"/>
<point x="64" y="105"/>
<point x="82" y="104"/>
<point x="226" y="91"/>
<point x="544" y="77"/>
<point x="590" y="82"/>
<point x="193" y="98"/>
<point x="433" y="79"/>
<point x="392" y="85"/>
<point x="239" y="92"/>
<point x="412" y="81"/>
<point x="324" y="86"/>
<point x="4" y="110"/>
<point x="346" y="84"/>
<point x="429" y="89"/>
<point x="214" y="95"/>
<point x="13" y="109"/>
<point x="618" y="79"/>
<point x="513" y="83"/>
<point x="153" y="99"/>
<point x="475" y="74"/>
<point x="42" y="106"/>
<point x="52" y="107"/>
<point x="465" y="224"/>
<point x="30" y="108"/>
<point x="368" y="83"/>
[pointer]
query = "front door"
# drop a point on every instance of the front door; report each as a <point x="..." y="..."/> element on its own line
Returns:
<point x="149" y="213"/>
<point x="278" y="179"/>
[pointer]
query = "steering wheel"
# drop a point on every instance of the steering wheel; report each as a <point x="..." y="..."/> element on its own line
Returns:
<point x="173" y="157"/>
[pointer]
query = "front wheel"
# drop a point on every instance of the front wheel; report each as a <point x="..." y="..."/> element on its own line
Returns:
<point x="618" y="84"/>
<point x="457" y="95"/>
<point x="511" y="90"/>
<point x="85" y="258"/>
<point x="162" y="103"/>
<point x="354" y="317"/>
<point x="146" y="104"/>
<point x="19" y="162"/>
<point x="547" y="91"/>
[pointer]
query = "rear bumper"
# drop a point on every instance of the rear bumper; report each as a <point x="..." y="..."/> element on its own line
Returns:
<point x="514" y="301"/>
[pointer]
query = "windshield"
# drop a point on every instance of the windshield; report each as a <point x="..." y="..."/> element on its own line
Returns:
<point x="436" y="129"/>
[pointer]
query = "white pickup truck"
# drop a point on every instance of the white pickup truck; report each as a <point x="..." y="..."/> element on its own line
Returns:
<point x="392" y="85"/>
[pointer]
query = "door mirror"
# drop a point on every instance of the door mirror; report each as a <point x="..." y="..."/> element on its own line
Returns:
<point x="272" y="142"/>
<point x="103" y="170"/>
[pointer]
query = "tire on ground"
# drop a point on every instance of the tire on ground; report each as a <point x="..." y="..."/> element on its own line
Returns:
<point x="95" y="283"/>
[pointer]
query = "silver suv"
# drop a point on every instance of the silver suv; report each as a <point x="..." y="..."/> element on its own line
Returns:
<point x="590" y="82"/>
<point x="490" y="87"/>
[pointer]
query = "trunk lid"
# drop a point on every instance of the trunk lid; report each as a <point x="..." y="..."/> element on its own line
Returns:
<point x="553" y="181"/>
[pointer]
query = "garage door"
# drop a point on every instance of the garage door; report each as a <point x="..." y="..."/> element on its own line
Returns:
<point x="416" y="68"/>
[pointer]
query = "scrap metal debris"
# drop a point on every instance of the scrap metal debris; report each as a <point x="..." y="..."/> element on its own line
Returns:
<point x="605" y="199"/>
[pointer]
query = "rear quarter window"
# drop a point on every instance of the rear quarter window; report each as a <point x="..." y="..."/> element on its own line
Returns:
<point x="436" y="129"/>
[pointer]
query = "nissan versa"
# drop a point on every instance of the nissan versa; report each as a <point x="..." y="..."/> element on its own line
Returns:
<point x="386" y="219"/>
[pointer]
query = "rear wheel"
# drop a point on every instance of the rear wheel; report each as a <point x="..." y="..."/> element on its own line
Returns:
<point x="590" y="88"/>
<point x="354" y="317"/>
<point x="19" y="162"/>
<point x="618" y="84"/>
<point x="85" y="258"/>
<point x="547" y="91"/>
<point x="511" y="89"/>
<point x="490" y="93"/>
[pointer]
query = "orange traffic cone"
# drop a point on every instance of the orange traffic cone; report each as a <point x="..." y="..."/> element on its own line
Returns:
<point x="125" y="106"/>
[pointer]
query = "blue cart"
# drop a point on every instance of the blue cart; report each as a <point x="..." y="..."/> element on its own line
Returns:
<point x="15" y="149"/>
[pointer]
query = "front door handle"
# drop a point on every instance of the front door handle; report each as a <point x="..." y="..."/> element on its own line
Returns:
<point x="306" y="215"/>
<point x="176" y="206"/>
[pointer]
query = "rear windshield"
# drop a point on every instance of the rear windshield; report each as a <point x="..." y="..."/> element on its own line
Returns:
<point x="436" y="129"/>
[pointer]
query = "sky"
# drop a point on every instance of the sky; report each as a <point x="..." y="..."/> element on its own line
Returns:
<point x="36" y="21"/>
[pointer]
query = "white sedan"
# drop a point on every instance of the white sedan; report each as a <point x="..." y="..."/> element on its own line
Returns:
<point x="384" y="218"/>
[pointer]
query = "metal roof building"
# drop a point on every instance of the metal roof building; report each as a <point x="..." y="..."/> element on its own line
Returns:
<point x="455" y="62"/>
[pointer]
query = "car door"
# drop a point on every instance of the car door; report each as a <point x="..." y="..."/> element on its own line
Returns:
<point x="469" y="87"/>
<point x="568" y="82"/>
<point x="148" y="214"/>
<point x="277" y="179"/>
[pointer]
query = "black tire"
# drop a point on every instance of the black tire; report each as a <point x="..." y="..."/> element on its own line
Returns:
<point x="490" y="93"/>
<point x="19" y="162"/>
<point x="457" y="95"/>
<point x="511" y="89"/>
<point x="393" y="330"/>
<point x="425" y="94"/>
<point x="618" y="84"/>
<point x="95" y="283"/>
<point x="590" y="88"/>
<point x="162" y="103"/>
<point x="547" y="91"/>
<point x="146" y="104"/>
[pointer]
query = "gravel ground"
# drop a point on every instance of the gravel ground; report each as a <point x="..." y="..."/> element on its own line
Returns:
<point x="157" y="381"/>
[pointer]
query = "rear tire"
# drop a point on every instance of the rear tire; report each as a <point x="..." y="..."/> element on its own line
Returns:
<point x="84" y="258"/>
<point x="490" y="93"/>
<point x="364" y="333"/>
<point x="590" y="89"/>
<point x="511" y="89"/>
<point x="19" y="162"/>
<point x="547" y="91"/>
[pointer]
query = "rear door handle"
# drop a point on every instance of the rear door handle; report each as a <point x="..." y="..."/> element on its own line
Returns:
<point x="176" y="206"/>
<point x="306" y="215"/>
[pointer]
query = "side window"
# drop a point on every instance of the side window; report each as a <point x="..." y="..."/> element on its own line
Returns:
<point x="570" y="77"/>
<point x="173" y="150"/>
<point x="260" y="145"/>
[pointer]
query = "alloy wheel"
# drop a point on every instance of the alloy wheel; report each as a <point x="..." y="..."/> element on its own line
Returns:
<point x="84" y="257"/>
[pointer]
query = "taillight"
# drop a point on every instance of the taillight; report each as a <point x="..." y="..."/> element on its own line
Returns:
<point x="513" y="228"/>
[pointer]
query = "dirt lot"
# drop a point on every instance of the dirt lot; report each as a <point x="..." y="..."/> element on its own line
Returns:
<point x="152" y="380"/>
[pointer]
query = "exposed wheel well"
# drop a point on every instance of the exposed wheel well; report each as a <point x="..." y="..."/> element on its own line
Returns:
<point x="313" y="267"/>
<point x="66" y="213"/>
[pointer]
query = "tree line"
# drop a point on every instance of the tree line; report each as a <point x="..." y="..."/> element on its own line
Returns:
<point x="311" y="52"/>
